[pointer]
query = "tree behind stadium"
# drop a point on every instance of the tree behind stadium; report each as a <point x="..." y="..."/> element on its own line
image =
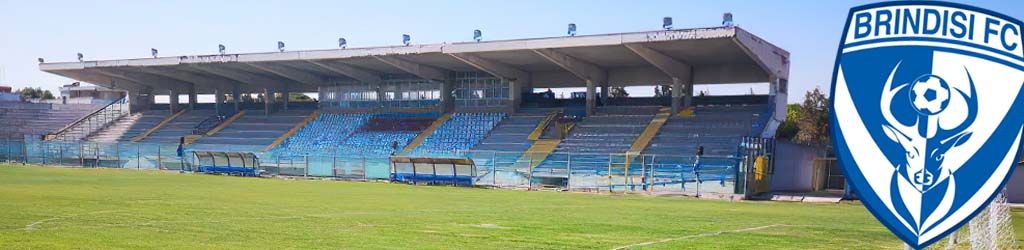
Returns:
<point x="35" y="93"/>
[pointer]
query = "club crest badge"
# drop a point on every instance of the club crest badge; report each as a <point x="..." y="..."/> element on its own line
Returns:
<point x="927" y="112"/>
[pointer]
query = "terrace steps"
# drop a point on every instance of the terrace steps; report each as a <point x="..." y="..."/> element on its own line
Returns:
<point x="539" y="151"/>
<point x="226" y="123"/>
<point x="128" y="127"/>
<point x="298" y="126"/>
<point x="652" y="130"/>
<point x="158" y="126"/>
<point x="179" y="127"/>
<point x="539" y="130"/>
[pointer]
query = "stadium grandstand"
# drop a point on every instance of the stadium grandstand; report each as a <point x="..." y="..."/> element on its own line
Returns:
<point x="471" y="100"/>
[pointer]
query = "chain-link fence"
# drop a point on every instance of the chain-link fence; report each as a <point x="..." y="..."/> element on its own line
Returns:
<point x="660" y="174"/>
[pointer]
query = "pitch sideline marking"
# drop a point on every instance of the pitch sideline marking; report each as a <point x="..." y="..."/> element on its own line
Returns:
<point x="32" y="226"/>
<point x="716" y="233"/>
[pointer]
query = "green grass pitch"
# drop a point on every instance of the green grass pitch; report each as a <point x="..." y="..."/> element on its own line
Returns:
<point x="56" y="208"/>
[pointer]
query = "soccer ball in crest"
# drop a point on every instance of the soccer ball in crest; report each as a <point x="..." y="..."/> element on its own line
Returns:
<point x="929" y="94"/>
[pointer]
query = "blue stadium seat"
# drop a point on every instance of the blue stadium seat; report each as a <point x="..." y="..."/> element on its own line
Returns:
<point x="323" y="135"/>
<point x="461" y="132"/>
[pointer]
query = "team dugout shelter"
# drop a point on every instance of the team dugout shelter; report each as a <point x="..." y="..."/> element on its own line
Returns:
<point x="455" y="77"/>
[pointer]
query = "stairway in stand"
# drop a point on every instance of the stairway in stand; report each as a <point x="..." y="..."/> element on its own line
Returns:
<point x="128" y="127"/>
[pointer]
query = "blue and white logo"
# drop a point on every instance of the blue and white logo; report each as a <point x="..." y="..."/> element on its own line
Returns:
<point x="927" y="112"/>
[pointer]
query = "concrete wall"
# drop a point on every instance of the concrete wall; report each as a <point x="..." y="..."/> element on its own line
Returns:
<point x="795" y="163"/>
<point x="794" y="167"/>
<point x="1015" y="187"/>
<point x="9" y="97"/>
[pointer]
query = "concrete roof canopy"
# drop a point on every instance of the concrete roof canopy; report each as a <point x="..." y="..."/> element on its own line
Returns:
<point x="717" y="55"/>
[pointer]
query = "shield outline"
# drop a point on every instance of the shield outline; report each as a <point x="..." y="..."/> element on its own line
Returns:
<point x="871" y="207"/>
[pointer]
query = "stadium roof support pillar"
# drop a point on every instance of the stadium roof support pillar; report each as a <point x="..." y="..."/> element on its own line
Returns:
<point x="381" y="96"/>
<point x="236" y="97"/>
<point x="591" y="100"/>
<point x="173" y="101"/>
<point x="284" y="100"/>
<point x="677" y="94"/>
<point x="447" y="100"/>
<point x="688" y="93"/>
<point x="590" y="73"/>
<point x="218" y="101"/>
<point x="193" y="98"/>
<point x="680" y="72"/>
<point x="515" y="95"/>
<point x="268" y="101"/>
<point x="361" y="75"/>
<point x="604" y="94"/>
<point x="139" y="100"/>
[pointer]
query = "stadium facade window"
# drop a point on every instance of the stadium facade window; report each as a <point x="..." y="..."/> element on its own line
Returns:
<point x="396" y="92"/>
<point x="410" y="93"/>
<point x="478" y="89"/>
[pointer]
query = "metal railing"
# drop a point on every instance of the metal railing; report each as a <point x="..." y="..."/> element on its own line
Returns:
<point x="209" y="123"/>
<point x="584" y="172"/>
<point x="89" y="124"/>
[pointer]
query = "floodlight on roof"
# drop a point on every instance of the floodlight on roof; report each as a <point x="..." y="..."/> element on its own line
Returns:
<point x="80" y="57"/>
<point x="41" y="60"/>
<point x="406" y="39"/>
<point x="727" y="19"/>
<point x="572" y="29"/>
<point x="666" y="23"/>
<point x="221" y="48"/>
<point x="154" y="52"/>
<point x="342" y="43"/>
<point x="478" y="35"/>
<point x="280" y="46"/>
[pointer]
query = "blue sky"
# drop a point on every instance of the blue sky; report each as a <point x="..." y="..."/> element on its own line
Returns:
<point x="57" y="30"/>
